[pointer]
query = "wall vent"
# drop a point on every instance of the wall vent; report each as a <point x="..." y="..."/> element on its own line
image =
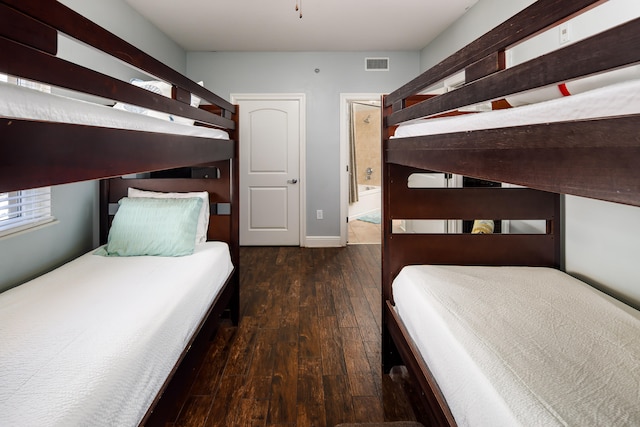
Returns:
<point x="376" y="64"/>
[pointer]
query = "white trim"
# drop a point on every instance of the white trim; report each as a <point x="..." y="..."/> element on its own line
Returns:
<point x="323" y="242"/>
<point x="17" y="232"/>
<point x="302" y="99"/>
<point x="344" y="156"/>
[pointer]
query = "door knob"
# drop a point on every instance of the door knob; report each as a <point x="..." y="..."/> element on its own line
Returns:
<point x="292" y="181"/>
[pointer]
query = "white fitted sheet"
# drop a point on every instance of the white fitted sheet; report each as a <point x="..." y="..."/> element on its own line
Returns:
<point x="92" y="342"/>
<point x="524" y="346"/>
<point x="24" y="103"/>
<point x="615" y="100"/>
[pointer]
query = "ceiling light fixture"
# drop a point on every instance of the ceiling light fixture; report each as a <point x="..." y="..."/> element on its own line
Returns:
<point x="299" y="7"/>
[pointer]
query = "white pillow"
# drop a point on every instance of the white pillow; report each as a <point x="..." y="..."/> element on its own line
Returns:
<point x="203" y="217"/>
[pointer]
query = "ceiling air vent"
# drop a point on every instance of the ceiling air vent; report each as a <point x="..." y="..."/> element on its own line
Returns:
<point x="376" y="64"/>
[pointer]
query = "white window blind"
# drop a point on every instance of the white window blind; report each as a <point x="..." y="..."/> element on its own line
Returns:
<point x="20" y="210"/>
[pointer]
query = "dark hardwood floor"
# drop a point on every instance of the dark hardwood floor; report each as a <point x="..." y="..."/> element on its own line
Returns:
<point x="307" y="349"/>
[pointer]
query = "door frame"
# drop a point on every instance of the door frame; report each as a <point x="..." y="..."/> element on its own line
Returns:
<point x="345" y="98"/>
<point x="236" y="98"/>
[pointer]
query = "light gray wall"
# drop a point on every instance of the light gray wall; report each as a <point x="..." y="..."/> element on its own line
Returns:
<point x="75" y="206"/>
<point x="119" y="18"/>
<point x="482" y="17"/>
<point x="340" y="72"/>
<point x="601" y="245"/>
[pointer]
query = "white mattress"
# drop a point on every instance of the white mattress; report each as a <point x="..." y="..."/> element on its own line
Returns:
<point x="23" y="103"/>
<point x="614" y="100"/>
<point x="523" y="346"/>
<point x="92" y="342"/>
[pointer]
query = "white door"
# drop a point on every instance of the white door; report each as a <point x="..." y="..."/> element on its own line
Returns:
<point x="270" y="182"/>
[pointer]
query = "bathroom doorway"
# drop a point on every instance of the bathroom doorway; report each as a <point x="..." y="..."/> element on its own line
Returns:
<point x="365" y="178"/>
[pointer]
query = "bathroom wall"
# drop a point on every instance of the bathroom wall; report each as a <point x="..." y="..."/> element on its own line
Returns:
<point x="367" y="141"/>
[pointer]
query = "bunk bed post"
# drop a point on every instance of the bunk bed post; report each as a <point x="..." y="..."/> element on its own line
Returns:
<point x="234" y="303"/>
<point x="390" y="356"/>
<point x="104" y="210"/>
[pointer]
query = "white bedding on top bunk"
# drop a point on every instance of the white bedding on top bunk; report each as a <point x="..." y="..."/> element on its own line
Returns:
<point x="614" y="100"/>
<point x="92" y="342"/>
<point x="526" y="346"/>
<point x="24" y="103"/>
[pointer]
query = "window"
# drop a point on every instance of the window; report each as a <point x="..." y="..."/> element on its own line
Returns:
<point x="20" y="210"/>
<point x="24" y="209"/>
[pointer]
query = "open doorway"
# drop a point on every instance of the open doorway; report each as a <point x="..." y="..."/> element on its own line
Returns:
<point x="364" y="170"/>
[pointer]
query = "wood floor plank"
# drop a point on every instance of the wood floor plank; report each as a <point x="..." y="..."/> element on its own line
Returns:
<point x="211" y="370"/>
<point x="250" y="413"/>
<point x="324" y="302"/>
<point x="344" y="310"/>
<point x="365" y="319"/>
<point x="257" y="387"/>
<point x="241" y="350"/>
<point x="367" y="409"/>
<point x="311" y="411"/>
<point x="307" y="349"/>
<point x="309" y="333"/>
<point x="283" y="405"/>
<point x="331" y="347"/>
<point x="225" y="402"/>
<point x="355" y="355"/>
<point x="373" y="299"/>
<point x="362" y="384"/>
<point x="263" y="355"/>
<point x="338" y="402"/>
<point x="195" y="411"/>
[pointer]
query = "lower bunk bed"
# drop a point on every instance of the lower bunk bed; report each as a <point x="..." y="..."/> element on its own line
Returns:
<point x="114" y="336"/>
<point x="491" y="331"/>
<point x="511" y="346"/>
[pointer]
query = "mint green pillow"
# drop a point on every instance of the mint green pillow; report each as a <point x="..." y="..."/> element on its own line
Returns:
<point x="159" y="227"/>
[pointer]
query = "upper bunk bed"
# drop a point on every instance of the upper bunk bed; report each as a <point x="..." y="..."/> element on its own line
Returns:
<point x="596" y="155"/>
<point x="64" y="139"/>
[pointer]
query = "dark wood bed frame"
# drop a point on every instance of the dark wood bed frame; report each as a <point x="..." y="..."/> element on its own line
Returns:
<point x="597" y="159"/>
<point x="36" y="153"/>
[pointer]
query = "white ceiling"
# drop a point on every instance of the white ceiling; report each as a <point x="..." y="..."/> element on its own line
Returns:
<point x="326" y="25"/>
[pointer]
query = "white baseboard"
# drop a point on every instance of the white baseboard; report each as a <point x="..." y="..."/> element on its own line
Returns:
<point x="323" y="242"/>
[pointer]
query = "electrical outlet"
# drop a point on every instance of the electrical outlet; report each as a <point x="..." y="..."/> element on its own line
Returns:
<point x="565" y="32"/>
<point x="319" y="214"/>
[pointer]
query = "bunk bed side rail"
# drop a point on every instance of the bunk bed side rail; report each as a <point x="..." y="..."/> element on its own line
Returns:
<point x="616" y="48"/>
<point x="534" y="19"/>
<point x="30" y="40"/>
<point x="581" y="158"/>
<point x="83" y="154"/>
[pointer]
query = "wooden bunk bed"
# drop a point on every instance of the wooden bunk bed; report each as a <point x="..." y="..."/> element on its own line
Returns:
<point x="594" y="157"/>
<point x="41" y="151"/>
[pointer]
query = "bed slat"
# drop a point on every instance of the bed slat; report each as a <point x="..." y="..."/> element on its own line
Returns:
<point x="470" y="203"/>
<point x="21" y="28"/>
